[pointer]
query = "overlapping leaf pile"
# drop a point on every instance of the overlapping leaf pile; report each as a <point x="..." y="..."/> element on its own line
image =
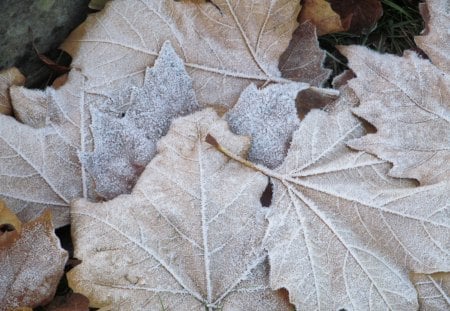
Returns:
<point x="182" y="115"/>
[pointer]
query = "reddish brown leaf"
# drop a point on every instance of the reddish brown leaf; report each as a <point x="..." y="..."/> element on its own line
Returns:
<point x="320" y="13"/>
<point x="362" y="14"/>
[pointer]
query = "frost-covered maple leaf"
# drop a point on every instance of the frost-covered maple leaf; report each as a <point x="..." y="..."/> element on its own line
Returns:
<point x="408" y="100"/>
<point x="189" y="236"/>
<point x="342" y="233"/>
<point x="40" y="163"/>
<point x="225" y="46"/>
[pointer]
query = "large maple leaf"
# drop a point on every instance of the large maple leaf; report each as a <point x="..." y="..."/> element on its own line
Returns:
<point x="342" y="234"/>
<point x="225" y="46"/>
<point x="188" y="237"/>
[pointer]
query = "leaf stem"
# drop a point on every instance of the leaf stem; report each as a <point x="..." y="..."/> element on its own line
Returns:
<point x="266" y="171"/>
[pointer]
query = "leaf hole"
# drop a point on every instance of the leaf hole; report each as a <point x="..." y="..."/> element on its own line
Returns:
<point x="6" y="228"/>
<point x="266" y="197"/>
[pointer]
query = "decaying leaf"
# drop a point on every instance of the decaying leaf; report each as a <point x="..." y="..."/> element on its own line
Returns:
<point x="344" y="235"/>
<point x="320" y="14"/>
<point x="269" y="116"/>
<point x="31" y="267"/>
<point x="10" y="226"/>
<point x="8" y="78"/>
<point x="190" y="234"/>
<point x="69" y="302"/>
<point x="39" y="162"/>
<point x="436" y="37"/>
<point x="303" y="59"/>
<point x="363" y="14"/>
<point x="224" y="50"/>
<point x="126" y="130"/>
<point x="406" y="99"/>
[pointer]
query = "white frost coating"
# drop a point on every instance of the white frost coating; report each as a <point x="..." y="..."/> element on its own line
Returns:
<point x="126" y="128"/>
<point x="188" y="236"/>
<point x="223" y="50"/>
<point x="39" y="167"/>
<point x="269" y="116"/>
<point x="342" y="234"/>
<point x="410" y="108"/>
<point x="435" y="40"/>
<point x="30" y="269"/>
<point x="433" y="291"/>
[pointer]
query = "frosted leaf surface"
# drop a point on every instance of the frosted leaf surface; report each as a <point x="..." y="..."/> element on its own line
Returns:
<point x="303" y="59"/>
<point x="435" y="40"/>
<point x="224" y="50"/>
<point x="269" y="116"/>
<point x="39" y="167"/>
<point x="30" y="269"/>
<point x="30" y="106"/>
<point x="40" y="163"/>
<point x="407" y="100"/>
<point x="126" y="129"/>
<point x="190" y="233"/>
<point x="8" y="78"/>
<point x="342" y="234"/>
<point x="433" y="290"/>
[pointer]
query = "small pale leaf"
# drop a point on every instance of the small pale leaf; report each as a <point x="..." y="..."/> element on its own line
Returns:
<point x="269" y="116"/>
<point x="126" y="129"/>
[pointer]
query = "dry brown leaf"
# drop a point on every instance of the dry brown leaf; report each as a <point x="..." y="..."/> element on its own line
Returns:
<point x="407" y="100"/>
<point x="363" y="14"/>
<point x="303" y="59"/>
<point x="435" y="40"/>
<point x="224" y="50"/>
<point x="320" y="14"/>
<point x="8" y="78"/>
<point x="31" y="268"/>
<point x="70" y="302"/>
<point x="188" y="236"/>
<point x="40" y="166"/>
<point x="10" y="226"/>
<point x="433" y="290"/>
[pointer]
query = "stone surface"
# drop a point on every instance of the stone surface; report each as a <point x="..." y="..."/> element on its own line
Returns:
<point x="50" y="22"/>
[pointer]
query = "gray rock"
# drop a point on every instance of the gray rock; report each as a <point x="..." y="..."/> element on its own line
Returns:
<point x="50" y="22"/>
